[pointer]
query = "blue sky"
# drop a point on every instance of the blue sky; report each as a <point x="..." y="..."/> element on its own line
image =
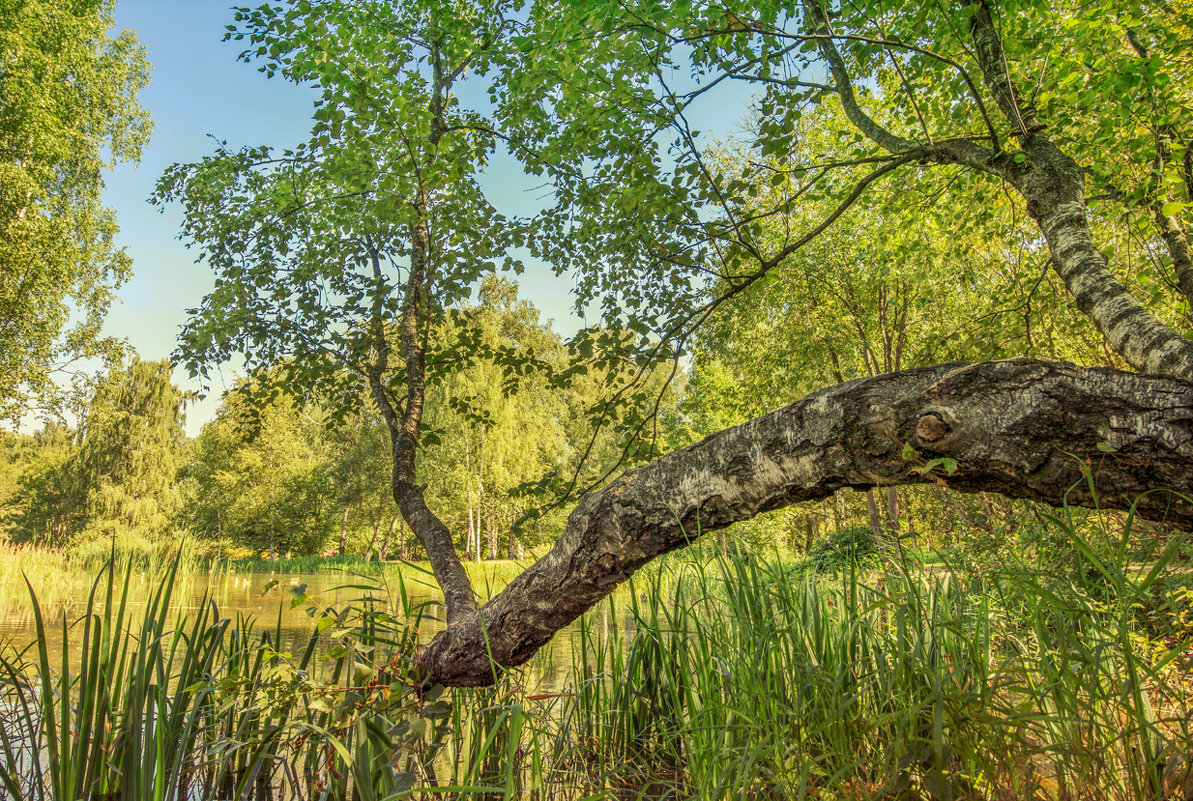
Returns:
<point x="200" y="90"/>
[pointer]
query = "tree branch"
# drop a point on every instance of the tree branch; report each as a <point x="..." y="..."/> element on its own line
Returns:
<point x="1041" y="431"/>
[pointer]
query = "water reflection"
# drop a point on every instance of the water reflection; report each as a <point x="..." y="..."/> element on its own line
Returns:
<point x="267" y="601"/>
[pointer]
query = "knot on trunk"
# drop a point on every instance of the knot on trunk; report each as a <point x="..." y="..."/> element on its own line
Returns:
<point x="931" y="428"/>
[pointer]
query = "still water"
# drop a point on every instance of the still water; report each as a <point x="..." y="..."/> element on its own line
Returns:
<point x="267" y="599"/>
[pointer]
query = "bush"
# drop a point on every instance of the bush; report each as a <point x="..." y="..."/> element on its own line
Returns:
<point x="844" y="548"/>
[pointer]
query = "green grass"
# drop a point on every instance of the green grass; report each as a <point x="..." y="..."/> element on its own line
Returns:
<point x="165" y="707"/>
<point x="746" y="678"/>
<point x="1061" y="673"/>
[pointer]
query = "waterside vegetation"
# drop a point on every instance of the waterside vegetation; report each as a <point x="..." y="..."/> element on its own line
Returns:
<point x="742" y="675"/>
<point x="908" y="329"/>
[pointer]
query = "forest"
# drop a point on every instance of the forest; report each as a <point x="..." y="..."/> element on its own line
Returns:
<point x="859" y="467"/>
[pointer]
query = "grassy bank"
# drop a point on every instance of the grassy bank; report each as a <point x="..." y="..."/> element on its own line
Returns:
<point x="1062" y="672"/>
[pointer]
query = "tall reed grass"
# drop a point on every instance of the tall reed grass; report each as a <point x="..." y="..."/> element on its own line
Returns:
<point x="749" y="679"/>
<point x="709" y="677"/>
<point x="173" y="709"/>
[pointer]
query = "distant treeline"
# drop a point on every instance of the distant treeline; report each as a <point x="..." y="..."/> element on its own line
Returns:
<point x="275" y="474"/>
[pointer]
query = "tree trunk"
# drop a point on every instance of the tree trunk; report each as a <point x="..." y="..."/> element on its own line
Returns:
<point x="468" y="537"/>
<point x="492" y="539"/>
<point x="1048" y="179"/>
<point x="458" y="597"/>
<point x="413" y="330"/>
<point x="872" y="513"/>
<point x="512" y="550"/>
<point x="1053" y="185"/>
<point x="373" y="540"/>
<point x="892" y="511"/>
<point x="1023" y="428"/>
<point x="402" y="555"/>
<point x="810" y="533"/>
<point x="474" y="531"/>
<point x="344" y="531"/>
<point x="387" y="540"/>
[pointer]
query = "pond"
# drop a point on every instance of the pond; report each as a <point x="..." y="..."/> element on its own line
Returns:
<point x="267" y="599"/>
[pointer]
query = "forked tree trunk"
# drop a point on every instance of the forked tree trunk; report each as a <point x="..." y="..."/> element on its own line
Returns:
<point x="1026" y="429"/>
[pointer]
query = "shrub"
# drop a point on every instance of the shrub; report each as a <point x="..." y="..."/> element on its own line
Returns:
<point x="844" y="548"/>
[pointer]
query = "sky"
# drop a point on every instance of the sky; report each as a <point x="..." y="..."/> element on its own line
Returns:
<point x="199" y="90"/>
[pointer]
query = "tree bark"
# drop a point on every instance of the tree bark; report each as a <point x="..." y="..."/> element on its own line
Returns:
<point x="344" y="531"/>
<point x="383" y="549"/>
<point x="1053" y="185"/>
<point x="458" y="597"/>
<point x="872" y="514"/>
<point x="892" y="511"/>
<point x="1023" y="428"/>
<point x="401" y="539"/>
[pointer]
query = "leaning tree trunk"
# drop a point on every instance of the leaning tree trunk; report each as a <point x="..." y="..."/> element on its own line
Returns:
<point x="1041" y="431"/>
<point x="1051" y="183"/>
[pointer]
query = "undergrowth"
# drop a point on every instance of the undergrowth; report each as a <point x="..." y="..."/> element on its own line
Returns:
<point x="1055" y="672"/>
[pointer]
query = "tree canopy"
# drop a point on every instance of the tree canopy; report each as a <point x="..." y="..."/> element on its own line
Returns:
<point x="113" y="483"/>
<point x="990" y="109"/>
<point x="977" y="181"/>
<point x="1056" y="131"/>
<point x="357" y="243"/>
<point x="68" y="111"/>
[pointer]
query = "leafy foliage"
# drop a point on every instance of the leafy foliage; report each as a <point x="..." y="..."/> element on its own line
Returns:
<point x="259" y="477"/>
<point x="117" y="485"/>
<point x="843" y="549"/>
<point x="311" y="247"/>
<point x="68" y="111"/>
